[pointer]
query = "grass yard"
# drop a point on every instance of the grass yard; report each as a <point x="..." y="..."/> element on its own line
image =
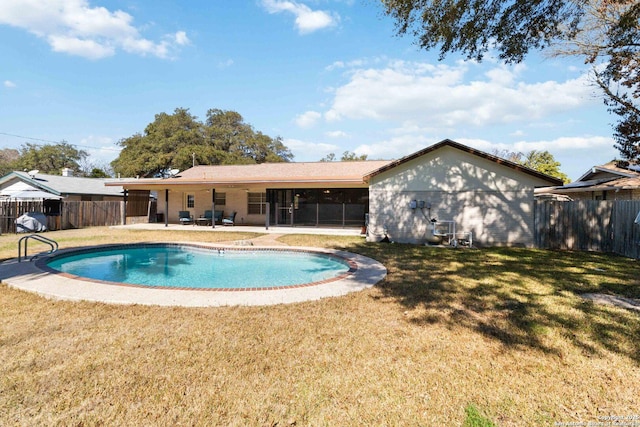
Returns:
<point x="451" y="337"/>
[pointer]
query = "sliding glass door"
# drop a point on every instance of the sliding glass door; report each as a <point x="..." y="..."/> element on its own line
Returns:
<point x="337" y="207"/>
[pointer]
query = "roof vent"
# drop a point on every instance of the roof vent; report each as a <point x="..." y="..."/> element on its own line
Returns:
<point x="32" y="173"/>
<point x="67" y="172"/>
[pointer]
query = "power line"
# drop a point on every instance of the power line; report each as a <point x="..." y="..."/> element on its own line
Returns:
<point x="59" y="142"/>
<point x="28" y="137"/>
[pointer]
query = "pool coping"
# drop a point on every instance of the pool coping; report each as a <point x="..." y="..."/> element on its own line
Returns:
<point x="33" y="277"/>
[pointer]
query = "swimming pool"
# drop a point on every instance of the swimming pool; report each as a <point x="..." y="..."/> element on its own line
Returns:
<point x="182" y="266"/>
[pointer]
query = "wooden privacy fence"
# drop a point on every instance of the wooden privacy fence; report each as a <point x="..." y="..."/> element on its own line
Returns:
<point x="588" y="225"/>
<point x="73" y="214"/>
<point x="88" y="214"/>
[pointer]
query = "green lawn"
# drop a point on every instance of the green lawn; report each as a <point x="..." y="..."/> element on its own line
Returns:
<point x="451" y="337"/>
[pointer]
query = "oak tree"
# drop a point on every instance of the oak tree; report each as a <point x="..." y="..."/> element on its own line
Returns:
<point x="180" y="140"/>
<point x="50" y="158"/>
<point x="605" y="33"/>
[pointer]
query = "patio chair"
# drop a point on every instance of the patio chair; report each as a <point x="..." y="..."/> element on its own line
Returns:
<point x="229" y="220"/>
<point x="217" y="216"/>
<point x="185" y="217"/>
<point x="205" y="219"/>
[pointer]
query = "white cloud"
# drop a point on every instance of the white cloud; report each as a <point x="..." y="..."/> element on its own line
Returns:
<point x="305" y="151"/>
<point x="308" y="119"/>
<point x="560" y="144"/>
<point x="307" y="20"/>
<point x="439" y="95"/>
<point x="337" y="134"/>
<point x="76" y="28"/>
<point x="341" y="64"/>
<point x="570" y="144"/>
<point x="576" y="154"/>
<point x="225" y="64"/>
<point x="102" y="149"/>
<point x="181" y="38"/>
<point x="9" y="84"/>
<point x="89" y="49"/>
<point x="395" y="147"/>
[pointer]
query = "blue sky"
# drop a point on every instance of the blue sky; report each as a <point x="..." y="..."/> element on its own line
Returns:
<point x="325" y="75"/>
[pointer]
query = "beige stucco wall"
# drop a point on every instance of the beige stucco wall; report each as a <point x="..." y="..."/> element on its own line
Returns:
<point x="236" y="200"/>
<point x="493" y="201"/>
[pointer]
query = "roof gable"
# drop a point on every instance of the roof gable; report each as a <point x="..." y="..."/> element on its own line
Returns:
<point x="608" y="171"/>
<point x="449" y="143"/>
<point x="14" y="178"/>
<point x="61" y="185"/>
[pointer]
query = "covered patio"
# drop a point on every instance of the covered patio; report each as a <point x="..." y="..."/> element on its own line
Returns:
<point x="321" y="194"/>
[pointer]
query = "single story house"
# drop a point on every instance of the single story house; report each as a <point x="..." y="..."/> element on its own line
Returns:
<point x="299" y="194"/>
<point x="35" y="185"/>
<point x="611" y="181"/>
<point x="450" y="182"/>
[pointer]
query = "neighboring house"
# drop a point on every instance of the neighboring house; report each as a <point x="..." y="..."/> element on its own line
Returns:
<point x="606" y="182"/>
<point x="489" y="196"/>
<point x="22" y="185"/>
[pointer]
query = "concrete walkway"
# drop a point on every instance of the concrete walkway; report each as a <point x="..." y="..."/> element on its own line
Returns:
<point x="330" y="231"/>
<point x="270" y="239"/>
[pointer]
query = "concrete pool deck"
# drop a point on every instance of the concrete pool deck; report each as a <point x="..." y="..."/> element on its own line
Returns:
<point x="27" y="276"/>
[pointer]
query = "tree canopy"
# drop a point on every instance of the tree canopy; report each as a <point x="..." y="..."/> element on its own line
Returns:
<point x="8" y="157"/>
<point x="49" y="158"/>
<point x="604" y="33"/>
<point x="179" y="141"/>
<point x="541" y="161"/>
<point x="347" y="156"/>
<point x="475" y="27"/>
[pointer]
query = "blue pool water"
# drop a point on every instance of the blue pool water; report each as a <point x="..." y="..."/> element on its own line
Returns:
<point x="192" y="267"/>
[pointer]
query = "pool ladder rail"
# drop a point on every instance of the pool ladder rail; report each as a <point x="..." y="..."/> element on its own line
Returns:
<point x="52" y="243"/>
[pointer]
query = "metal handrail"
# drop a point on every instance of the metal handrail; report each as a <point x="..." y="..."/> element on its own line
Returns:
<point x="42" y="239"/>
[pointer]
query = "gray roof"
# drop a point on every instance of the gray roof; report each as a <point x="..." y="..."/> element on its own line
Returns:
<point x="66" y="185"/>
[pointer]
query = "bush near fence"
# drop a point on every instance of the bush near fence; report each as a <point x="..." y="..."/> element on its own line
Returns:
<point x="589" y="225"/>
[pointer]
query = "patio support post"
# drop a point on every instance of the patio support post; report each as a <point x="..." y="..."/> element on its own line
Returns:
<point x="166" y="207"/>
<point x="213" y="208"/>
<point x="344" y="212"/>
<point x="291" y="209"/>
<point x="266" y="217"/>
